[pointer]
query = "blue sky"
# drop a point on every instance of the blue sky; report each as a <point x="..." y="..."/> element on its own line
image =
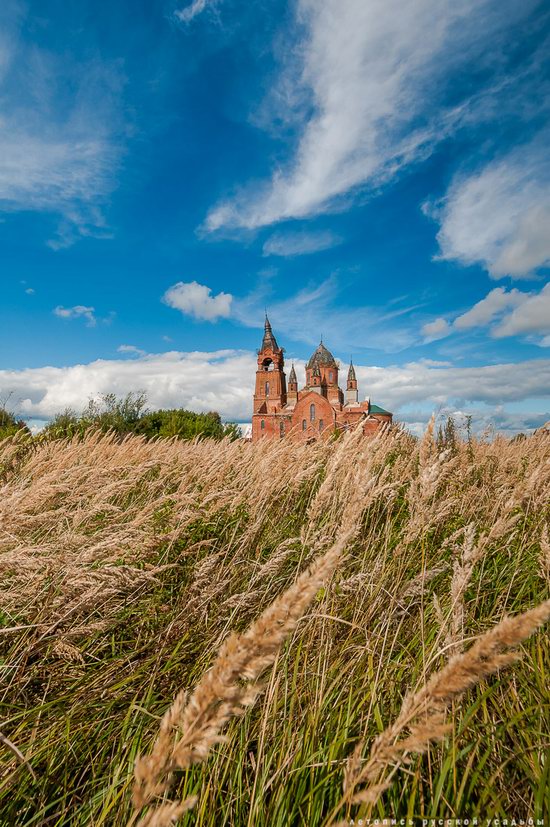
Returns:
<point x="372" y="172"/>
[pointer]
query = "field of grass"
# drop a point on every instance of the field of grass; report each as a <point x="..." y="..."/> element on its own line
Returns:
<point x="319" y="605"/>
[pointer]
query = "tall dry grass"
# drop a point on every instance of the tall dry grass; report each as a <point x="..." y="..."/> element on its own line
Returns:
<point x="249" y="628"/>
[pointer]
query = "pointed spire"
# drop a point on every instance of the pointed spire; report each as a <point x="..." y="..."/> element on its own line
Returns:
<point x="351" y="372"/>
<point x="292" y="376"/>
<point x="269" y="341"/>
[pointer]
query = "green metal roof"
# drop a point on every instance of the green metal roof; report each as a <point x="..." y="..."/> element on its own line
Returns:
<point x="378" y="409"/>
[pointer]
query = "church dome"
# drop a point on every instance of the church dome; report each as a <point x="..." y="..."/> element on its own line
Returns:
<point x="322" y="357"/>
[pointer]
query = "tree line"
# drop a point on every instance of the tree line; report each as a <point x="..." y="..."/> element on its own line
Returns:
<point x="125" y="415"/>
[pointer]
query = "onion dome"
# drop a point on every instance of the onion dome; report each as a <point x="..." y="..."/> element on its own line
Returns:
<point x="269" y="341"/>
<point x="292" y="376"/>
<point x="322" y="357"/>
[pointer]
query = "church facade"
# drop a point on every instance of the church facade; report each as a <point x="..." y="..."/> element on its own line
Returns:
<point x="316" y="410"/>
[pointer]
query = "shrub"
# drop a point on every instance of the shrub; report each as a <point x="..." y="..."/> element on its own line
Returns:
<point x="128" y="415"/>
<point x="9" y="425"/>
<point x="184" y="424"/>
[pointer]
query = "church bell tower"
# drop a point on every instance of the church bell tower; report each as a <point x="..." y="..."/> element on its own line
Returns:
<point x="270" y="393"/>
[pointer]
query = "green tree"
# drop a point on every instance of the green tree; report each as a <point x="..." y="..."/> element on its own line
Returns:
<point x="64" y="426"/>
<point x="112" y="413"/>
<point x="185" y="425"/>
<point x="9" y="425"/>
<point x="128" y="414"/>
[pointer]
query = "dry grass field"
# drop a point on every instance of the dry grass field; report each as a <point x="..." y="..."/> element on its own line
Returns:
<point x="273" y="634"/>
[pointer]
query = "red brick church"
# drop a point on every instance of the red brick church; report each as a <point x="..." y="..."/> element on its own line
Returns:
<point x="315" y="411"/>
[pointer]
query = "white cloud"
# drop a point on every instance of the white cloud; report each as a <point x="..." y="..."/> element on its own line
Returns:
<point x="79" y="311"/>
<point x="371" y="80"/>
<point x="505" y="312"/>
<point x="29" y="291"/>
<point x="60" y="144"/>
<point x="132" y="350"/>
<point x="196" y="300"/>
<point x="494" y="303"/>
<point x="437" y="329"/>
<point x="191" y="11"/>
<point x="499" y="217"/>
<point x="314" y="310"/>
<point x="220" y="380"/>
<point x="299" y="243"/>
<point x="224" y="381"/>
<point x="434" y="363"/>
<point x="531" y="316"/>
<point x="484" y="421"/>
<point x="398" y="386"/>
<point x="317" y="309"/>
<point x="324" y="308"/>
<point x="64" y="175"/>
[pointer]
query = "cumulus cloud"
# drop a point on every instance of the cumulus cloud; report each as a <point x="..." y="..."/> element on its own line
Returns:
<point x="315" y="309"/>
<point x="219" y="380"/>
<point x="224" y="381"/>
<point x="59" y="150"/>
<point x="196" y="300"/>
<point x="499" y="216"/>
<point x="531" y="316"/>
<point x="505" y="312"/>
<point x="437" y="329"/>
<point x="79" y="311"/>
<point x="371" y="84"/>
<point x="493" y="385"/>
<point x="484" y="311"/>
<point x="299" y="243"/>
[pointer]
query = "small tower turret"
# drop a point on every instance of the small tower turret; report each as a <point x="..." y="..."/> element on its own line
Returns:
<point x="292" y="394"/>
<point x="352" y="392"/>
<point x="315" y="384"/>
<point x="292" y="379"/>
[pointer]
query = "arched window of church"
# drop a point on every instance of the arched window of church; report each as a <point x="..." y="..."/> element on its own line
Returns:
<point x="282" y="428"/>
<point x="262" y="424"/>
<point x="304" y="424"/>
<point x="312" y="412"/>
<point x="321" y="424"/>
<point x="267" y="388"/>
<point x="330" y="376"/>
